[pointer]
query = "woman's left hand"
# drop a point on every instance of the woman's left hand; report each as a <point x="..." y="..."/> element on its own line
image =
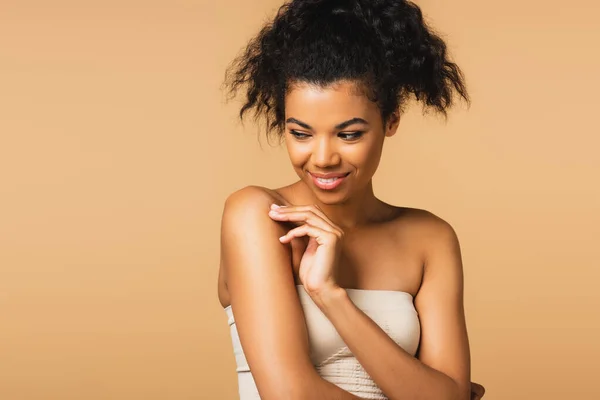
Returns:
<point x="320" y="259"/>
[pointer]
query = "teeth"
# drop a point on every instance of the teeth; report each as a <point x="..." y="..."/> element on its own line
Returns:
<point x="327" y="180"/>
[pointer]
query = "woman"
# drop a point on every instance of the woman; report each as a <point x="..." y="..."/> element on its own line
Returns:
<point x="332" y="293"/>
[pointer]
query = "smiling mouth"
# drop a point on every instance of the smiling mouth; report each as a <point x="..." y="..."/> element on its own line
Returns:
<point x="329" y="180"/>
<point x="328" y="183"/>
<point x="330" y="175"/>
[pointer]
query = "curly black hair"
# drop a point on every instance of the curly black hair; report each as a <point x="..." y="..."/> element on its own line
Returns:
<point x="384" y="45"/>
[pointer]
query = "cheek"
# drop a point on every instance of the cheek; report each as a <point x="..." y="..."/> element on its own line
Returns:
<point x="297" y="154"/>
<point x="362" y="156"/>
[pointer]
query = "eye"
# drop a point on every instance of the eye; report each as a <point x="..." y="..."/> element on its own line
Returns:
<point x="298" y="135"/>
<point x="350" y="136"/>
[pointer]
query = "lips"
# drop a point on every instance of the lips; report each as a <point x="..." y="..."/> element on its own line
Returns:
<point x="329" y="175"/>
<point x="333" y="180"/>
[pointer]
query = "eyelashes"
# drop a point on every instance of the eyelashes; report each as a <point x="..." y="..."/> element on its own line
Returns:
<point x="347" y="136"/>
<point x="298" y="135"/>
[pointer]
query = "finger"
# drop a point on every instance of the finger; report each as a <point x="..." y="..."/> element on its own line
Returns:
<point x="321" y="236"/>
<point x="312" y="208"/>
<point x="318" y="211"/>
<point x="304" y="216"/>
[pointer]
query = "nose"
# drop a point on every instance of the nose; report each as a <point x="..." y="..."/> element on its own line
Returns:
<point x="325" y="153"/>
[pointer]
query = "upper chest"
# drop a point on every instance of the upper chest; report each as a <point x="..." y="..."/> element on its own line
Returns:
<point x="381" y="257"/>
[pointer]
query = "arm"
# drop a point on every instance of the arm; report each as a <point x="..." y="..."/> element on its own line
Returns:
<point x="268" y="314"/>
<point x="442" y="370"/>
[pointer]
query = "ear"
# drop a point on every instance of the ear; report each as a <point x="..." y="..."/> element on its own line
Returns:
<point x="392" y="124"/>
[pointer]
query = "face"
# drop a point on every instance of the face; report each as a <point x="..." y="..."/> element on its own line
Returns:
<point x="334" y="130"/>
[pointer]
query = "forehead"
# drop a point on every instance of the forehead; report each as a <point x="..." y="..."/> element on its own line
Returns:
<point x="328" y="105"/>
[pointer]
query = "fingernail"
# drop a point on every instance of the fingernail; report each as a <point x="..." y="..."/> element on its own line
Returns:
<point x="281" y="238"/>
<point x="274" y="206"/>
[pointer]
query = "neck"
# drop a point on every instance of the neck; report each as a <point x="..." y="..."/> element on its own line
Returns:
<point x="350" y="213"/>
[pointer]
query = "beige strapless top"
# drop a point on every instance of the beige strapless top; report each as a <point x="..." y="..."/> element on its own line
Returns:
<point x="393" y="311"/>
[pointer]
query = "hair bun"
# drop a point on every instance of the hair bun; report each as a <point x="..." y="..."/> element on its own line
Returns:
<point x="384" y="44"/>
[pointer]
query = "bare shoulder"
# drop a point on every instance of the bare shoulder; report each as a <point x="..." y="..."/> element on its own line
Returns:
<point x="438" y="235"/>
<point x="248" y="233"/>
<point x="247" y="207"/>
<point x="439" y="252"/>
<point x="429" y="233"/>
<point x="244" y="210"/>
<point x="249" y="197"/>
<point x="244" y="220"/>
<point x="423" y="223"/>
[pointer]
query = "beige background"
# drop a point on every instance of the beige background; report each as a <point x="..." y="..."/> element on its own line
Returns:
<point x="117" y="152"/>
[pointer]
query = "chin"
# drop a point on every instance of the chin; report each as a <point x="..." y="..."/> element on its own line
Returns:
<point x="331" y="198"/>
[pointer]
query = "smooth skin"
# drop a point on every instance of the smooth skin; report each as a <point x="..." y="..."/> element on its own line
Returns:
<point x="325" y="240"/>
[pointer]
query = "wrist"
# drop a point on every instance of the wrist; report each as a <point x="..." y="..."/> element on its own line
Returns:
<point x="329" y="298"/>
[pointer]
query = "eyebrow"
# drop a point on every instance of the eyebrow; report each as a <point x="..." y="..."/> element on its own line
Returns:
<point x="342" y="125"/>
